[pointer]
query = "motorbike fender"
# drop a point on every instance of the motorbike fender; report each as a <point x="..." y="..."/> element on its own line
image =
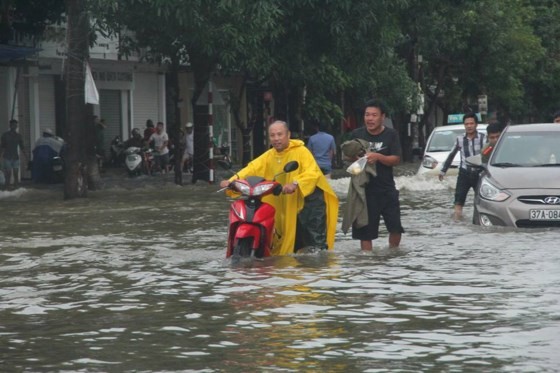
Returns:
<point x="133" y="161"/>
<point x="238" y="231"/>
<point x="260" y="227"/>
<point x="248" y="230"/>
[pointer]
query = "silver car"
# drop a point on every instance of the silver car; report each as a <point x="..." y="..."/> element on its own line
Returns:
<point x="520" y="185"/>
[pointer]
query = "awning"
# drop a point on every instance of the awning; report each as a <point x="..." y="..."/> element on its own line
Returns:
<point x="11" y="53"/>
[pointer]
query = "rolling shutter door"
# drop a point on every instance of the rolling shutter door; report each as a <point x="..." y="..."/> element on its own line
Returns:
<point x="47" y="107"/>
<point x="145" y="100"/>
<point x="110" y="110"/>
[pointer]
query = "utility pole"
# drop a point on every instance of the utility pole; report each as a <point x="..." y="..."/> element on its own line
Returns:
<point x="75" y="182"/>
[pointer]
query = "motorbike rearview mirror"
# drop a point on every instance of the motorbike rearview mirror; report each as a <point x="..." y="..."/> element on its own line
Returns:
<point x="288" y="167"/>
<point x="291" y="166"/>
<point x="224" y="165"/>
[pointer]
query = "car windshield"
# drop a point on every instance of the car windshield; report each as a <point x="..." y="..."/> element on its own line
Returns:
<point x="443" y="141"/>
<point x="528" y="149"/>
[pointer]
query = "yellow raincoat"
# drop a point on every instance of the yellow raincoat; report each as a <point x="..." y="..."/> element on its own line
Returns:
<point x="308" y="175"/>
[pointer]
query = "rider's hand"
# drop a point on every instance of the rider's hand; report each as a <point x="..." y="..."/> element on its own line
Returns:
<point x="289" y="188"/>
<point x="224" y="183"/>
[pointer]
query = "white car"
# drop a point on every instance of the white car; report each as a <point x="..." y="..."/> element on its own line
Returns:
<point x="439" y="145"/>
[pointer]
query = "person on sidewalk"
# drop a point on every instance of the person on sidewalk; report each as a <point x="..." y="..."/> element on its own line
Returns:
<point x="189" y="149"/>
<point x="161" y="155"/>
<point x="11" y="144"/>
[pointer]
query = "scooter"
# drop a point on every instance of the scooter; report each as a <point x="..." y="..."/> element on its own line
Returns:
<point x="57" y="175"/>
<point x="137" y="161"/>
<point x="251" y="221"/>
<point x="117" y="151"/>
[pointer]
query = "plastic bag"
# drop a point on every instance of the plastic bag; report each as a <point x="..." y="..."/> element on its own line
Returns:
<point x="358" y="166"/>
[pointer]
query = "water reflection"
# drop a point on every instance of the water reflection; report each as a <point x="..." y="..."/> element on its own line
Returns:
<point x="134" y="279"/>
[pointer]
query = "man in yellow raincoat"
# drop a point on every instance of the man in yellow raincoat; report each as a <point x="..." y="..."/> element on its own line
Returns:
<point x="307" y="210"/>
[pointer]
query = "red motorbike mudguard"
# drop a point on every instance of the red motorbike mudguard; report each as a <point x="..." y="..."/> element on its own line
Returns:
<point x="259" y="229"/>
<point x="248" y="230"/>
<point x="243" y="230"/>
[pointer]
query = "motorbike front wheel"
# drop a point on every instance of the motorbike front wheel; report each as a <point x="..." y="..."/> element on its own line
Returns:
<point x="244" y="248"/>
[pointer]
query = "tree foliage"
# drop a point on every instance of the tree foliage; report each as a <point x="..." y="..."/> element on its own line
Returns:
<point x="474" y="47"/>
<point x="542" y="93"/>
<point x="28" y="18"/>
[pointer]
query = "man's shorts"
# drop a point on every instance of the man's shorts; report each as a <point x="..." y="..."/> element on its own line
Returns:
<point x="465" y="181"/>
<point x="162" y="160"/>
<point x="380" y="204"/>
<point x="10" y="164"/>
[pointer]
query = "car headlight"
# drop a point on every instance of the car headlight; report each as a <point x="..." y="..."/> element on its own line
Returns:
<point x="429" y="162"/>
<point x="492" y="193"/>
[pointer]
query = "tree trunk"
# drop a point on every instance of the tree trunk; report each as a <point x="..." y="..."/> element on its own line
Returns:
<point x="174" y="120"/>
<point x="92" y="162"/>
<point x="75" y="155"/>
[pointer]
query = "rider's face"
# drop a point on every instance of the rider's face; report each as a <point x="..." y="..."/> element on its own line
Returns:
<point x="279" y="136"/>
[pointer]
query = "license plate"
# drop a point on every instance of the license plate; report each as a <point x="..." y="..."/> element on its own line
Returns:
<point x="57" y="168"/>
<point x="544" y="214"/>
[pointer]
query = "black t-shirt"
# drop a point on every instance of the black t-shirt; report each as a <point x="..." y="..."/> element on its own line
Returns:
<point x="9" y="143"/>
<point x="386" y="143"/>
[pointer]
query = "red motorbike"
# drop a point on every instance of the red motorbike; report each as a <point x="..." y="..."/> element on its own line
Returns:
<point x="251" y="221"/>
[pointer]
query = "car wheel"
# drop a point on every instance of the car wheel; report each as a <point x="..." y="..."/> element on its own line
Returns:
<point x="476" y="217"/>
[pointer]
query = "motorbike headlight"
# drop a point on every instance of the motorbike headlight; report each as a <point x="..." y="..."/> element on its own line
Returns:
<point x="492" y="193"/>
<point x="429" y="162"/>
<point x="262" y="189"/>
<point x="242" y="188"/>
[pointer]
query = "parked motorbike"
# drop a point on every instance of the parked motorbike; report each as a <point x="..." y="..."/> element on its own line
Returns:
<point x="224" y="154"/>
<point x="57" y="169"/>
<point x="138" y="161"/>
<point x="117" y="151"/>
<point x="251" y="221"/>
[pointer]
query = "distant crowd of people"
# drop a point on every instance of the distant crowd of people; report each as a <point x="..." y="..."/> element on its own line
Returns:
<point x="156" y="138"/>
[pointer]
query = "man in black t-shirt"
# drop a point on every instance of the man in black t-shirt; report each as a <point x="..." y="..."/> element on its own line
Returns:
<point x="382" y="195"/>
<point x="11" y="144"/>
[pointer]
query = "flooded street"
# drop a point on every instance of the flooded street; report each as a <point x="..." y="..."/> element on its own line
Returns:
<point x="133" y="279"/>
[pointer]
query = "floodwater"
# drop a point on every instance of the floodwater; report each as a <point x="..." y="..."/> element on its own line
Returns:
<point x="133" y="279"/>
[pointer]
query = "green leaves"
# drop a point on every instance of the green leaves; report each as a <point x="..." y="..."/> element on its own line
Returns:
<point x="507" y="49"/>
